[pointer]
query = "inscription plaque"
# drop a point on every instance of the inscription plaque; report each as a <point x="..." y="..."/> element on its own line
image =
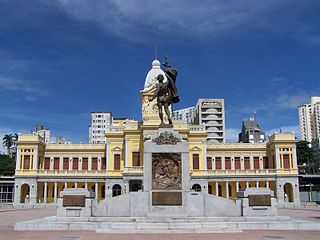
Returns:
<point x="166" y="171"/>
<point x="74" y="201"/>
<point x="259" y="200"/>
<point x="166" y="198"/>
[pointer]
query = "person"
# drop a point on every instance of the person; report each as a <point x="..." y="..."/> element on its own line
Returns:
<point x="164" y="97"/>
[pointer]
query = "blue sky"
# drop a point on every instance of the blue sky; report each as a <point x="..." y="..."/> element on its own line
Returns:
<point x="60" y="60"/>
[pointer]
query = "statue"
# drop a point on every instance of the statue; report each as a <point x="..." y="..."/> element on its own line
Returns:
<point x="166" y="93"/>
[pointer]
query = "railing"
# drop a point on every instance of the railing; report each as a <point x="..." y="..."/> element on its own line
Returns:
<point x="133" y="170"/>
<point x="69" y="172"/>
<point x="236" y="172"/>
<point x="197" y="128"/>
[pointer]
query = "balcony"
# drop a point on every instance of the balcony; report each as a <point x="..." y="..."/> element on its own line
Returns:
<point x="236" y="172"/>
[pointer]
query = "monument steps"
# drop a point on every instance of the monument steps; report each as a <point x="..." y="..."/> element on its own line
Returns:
<point x="169" y="225"/>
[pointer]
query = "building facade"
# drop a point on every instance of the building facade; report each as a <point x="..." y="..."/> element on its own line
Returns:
<point x="116" y="167"/>
<point x="210" y="114"/>
<point x="251" y="132"/>
<point x="43" y="132"/>
<point x="186" y="115"/>
<point x="100" y="124"/>
<point x="309" y="120"/>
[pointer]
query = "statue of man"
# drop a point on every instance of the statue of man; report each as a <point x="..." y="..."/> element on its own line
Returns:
<point x="166" y="92"/>
<point x="164" y="96"/>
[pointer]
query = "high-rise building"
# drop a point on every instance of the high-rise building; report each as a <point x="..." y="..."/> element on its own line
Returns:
<point x="100" y="123"/>
<point x="251" y="132"/>
<point x="309" y="119"/>
<point x="185" y="114"/>
<point x="42" y="132"/>
<point x="210" y="113"/>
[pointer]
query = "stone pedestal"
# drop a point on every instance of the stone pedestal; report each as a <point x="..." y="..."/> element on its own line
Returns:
<point x="166" y="173"/>
<point x="75" y="202"/>
<point x="257" y="202"/>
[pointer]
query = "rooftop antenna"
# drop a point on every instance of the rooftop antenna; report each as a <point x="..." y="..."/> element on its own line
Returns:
<point x="166" y="63"/>
<point x="254" y="115"/>
<point x="156" y="51"/>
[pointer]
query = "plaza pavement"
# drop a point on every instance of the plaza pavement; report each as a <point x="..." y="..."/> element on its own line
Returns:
<point x="9" y="216"/>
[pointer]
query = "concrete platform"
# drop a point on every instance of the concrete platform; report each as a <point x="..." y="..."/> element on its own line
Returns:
<point x="168" y="225"/>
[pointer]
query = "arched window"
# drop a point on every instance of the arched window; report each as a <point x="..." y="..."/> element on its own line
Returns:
<point x="116" y="190"/>
<point x="196" y="187"/>
<point x="25" y="193"/>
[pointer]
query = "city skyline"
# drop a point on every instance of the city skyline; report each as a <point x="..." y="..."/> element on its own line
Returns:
<point x="60" y="60"/>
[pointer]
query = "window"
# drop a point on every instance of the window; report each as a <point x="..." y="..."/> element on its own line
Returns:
<point x="196" y="187"/>
<point x="256" y="164"/>
<point x="265" y="163"/>
<point x="75" y="164"/>
<point x="227" y="163"/>
<point x="65" y="163"/>
<point x="46" y="164"/>
<point x="237" y="163"/>
<point x="286" y="161"/>
<point x="116" y="162"/>
<point x="246" y="163"/>
<point x="94" y="165"/>
<point x="84" y="163"/>
<point x="103" y="164"/>
<point x="116" y="189"/>
<point x="26" y="162"/>
<point x="135" y="159"/>
<point x="195" y="160"/>
<point x="56" y="163"/>
<point x="218" y="162"/>
<point x="209" y="163"/>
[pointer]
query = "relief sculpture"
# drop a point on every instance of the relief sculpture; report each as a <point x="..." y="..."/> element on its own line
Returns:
<point x="166" y="171"/>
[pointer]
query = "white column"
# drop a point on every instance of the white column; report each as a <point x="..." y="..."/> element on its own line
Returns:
<point x="247" y="184"/>
<point x="80" y="163"/>
<point x="257" y="184"/>
<point x="294" y="157"/>
<point x="237" y="186"/>
<point x="242" y="162"/>
<point x="51" y="163"/>
<point x="35" y="158"/>
<point x="76" y="185"/>
<point x="90" y="163"/>
<point x="278" y="159"/>
<point x="65" y="185"/>
<point x="126" y="152"/>
<point x="96" y="190"/>
<point x="251" y="162"/>
<point x="217" y="189"/>
<point x="60" y="163"/>
<point x="18" y="158"/>
<point x="227" y="190"/>
<point x="232" y="163"/>
<point x="205" y="167"/>
<point x="55" y="191"/>
<point x="267" y="184"/>
<point x="86" y="185"/>
<point x="45" y="192"/>
<point x="99" y="163"/>
<point x="223" y="163"/>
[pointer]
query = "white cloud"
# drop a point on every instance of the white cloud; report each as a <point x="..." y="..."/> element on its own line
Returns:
<point x="232" y="134"/>
<point x="135" y="20"/>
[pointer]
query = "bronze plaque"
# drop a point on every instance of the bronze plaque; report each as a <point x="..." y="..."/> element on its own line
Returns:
<point x="167" y="198"/>
<point x="74" y="200"/>
<point x="166" y="171"/>
<point x="259" y="200"/>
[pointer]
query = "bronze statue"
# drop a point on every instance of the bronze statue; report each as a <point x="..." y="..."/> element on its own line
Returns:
<point x="166" y="92"/>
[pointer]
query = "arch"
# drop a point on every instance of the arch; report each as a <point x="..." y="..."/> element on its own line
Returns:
<point x="25" y="193"/>
<point x="288" y="192"/>
<point x="116" y="190"/>
<point x="196" y="187"/>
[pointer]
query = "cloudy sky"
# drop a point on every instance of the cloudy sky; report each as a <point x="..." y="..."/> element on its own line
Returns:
<point x="60" y="60"/>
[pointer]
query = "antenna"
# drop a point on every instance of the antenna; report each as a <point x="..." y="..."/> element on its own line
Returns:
<point x="156" y="51"/>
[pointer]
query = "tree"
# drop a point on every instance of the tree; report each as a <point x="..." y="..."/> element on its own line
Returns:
<point x="305" y="154"/>
<point x="8" y="141"/>
<point x="7" y="165"/>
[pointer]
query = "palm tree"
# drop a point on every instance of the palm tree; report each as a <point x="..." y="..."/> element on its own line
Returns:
<point x="8" y="141"/>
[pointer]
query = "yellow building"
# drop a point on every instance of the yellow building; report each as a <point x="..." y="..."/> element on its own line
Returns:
<point x="114" y="168"/>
